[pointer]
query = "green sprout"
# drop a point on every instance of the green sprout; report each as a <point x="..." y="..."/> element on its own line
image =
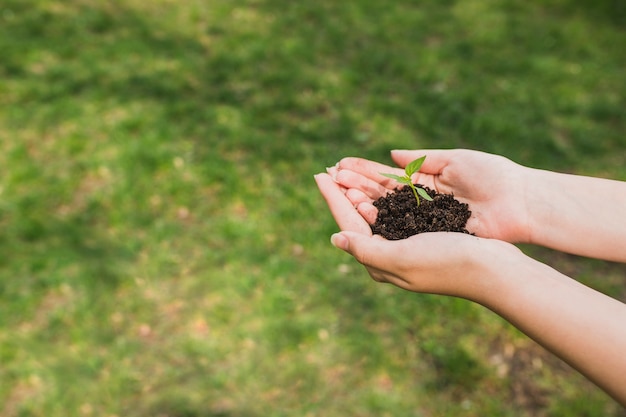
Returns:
<point x="411" y="169"/>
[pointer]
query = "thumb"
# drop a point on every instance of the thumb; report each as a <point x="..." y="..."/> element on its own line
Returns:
<point x="368" y="250"/>
<point x="341" y="241"/>
<point x="375" y="253"/>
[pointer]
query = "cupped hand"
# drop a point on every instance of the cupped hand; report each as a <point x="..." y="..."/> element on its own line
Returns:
<point x="494" y="187"/>
<point x="445" y="263"/>
<point x="438" y="263"/>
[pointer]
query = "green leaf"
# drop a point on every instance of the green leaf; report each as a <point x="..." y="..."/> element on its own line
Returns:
<point x="414" y="166"/>
<point x="424" y="194"/>
<point x="394" y="177"/>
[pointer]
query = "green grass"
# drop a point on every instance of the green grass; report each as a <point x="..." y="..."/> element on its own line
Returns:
<point x="164" y="251"/>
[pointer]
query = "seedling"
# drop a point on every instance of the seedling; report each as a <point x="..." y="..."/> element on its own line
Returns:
<point x="409" y="170"/>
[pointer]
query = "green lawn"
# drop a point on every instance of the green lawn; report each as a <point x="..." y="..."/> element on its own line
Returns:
<point x="164" y="250"/>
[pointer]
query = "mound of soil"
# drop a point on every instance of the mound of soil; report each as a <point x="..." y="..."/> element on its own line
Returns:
<point x="400" y="217"/>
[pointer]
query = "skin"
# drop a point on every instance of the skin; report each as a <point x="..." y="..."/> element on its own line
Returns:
<point x="510" y="203"/>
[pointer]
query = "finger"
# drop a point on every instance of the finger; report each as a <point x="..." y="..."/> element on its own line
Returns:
<point x="371" y="251"/>
<point x="436" y="159"/>
<point x="332" y="171"/>
<point x="351" y="179"/>
<point x="357" y="197"/>
<point x="368" y="212"/>
<point x="371" y="170"/>
<point x="341" y="208"/>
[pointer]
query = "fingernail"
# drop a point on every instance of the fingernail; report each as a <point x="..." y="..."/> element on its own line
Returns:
<point x="339" y="241"/>
<point x="332" y="171"/>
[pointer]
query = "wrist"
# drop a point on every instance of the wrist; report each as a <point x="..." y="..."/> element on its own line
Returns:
<point x="497" y="266"/>
<point x="533" y="205"/>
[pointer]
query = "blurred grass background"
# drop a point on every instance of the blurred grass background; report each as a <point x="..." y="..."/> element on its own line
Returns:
<point x="164" y="251"/>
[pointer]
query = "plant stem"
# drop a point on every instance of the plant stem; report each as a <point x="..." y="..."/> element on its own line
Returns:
<point x="415" y="194"/>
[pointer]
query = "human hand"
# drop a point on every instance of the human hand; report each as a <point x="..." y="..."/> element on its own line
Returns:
<point x="490" y="272"/>
<point x="439" y="263"/>
<point x="494" y="187"/>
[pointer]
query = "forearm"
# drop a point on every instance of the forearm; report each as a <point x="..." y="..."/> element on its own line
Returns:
<point x="577" y="214"/>
<point x="578" y="324"/>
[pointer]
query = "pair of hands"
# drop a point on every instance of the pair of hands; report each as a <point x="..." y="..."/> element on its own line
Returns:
<point x="583" y="327"/>
<point x="443" y="263"/>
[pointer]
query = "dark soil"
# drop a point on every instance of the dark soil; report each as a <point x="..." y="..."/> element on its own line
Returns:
<point x="399" y="216"/>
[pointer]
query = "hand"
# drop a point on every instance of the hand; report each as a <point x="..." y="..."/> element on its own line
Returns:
<point x="440" y="263"/>
<point x="493" y="186"/>
<point x="583" y="327"/>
